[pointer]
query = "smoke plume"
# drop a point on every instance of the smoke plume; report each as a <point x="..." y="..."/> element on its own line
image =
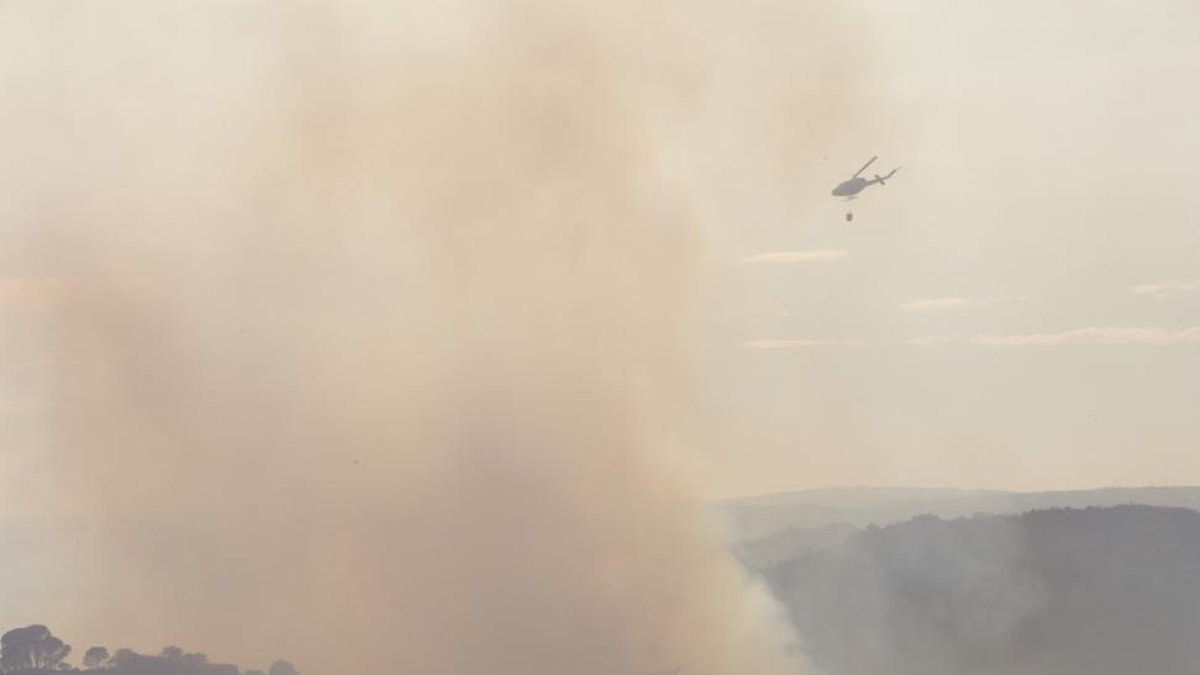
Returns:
<point x="381" y="326"/>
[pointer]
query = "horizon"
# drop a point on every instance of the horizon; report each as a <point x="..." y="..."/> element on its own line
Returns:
<point x="950" y="488"/>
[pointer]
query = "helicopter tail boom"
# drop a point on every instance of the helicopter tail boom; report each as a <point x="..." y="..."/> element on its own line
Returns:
<point x="880" y="179"/>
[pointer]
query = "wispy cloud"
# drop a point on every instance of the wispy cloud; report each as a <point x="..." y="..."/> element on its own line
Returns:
<point x="1096" y="335"/>
<point x="794" y="257"/>
<point x="23" y="406"/>
<point x="956" y="302"/>
<point x="1162" y="289"/>
<point x="784" y="345"/>
<point x="934" y="340"/>
<point x="1152" y="336"/>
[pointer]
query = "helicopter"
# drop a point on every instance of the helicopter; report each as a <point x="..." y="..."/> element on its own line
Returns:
<point x="856" y="184"/>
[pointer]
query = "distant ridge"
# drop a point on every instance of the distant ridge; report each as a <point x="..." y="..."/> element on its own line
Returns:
<point x="760" y="516"/>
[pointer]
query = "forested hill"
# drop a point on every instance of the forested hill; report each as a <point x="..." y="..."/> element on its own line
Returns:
<point x="1097" y="591"/>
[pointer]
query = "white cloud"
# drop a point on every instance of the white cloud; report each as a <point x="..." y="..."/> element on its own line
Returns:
<point x="1106" y="335"/>
<point x="934" y="340"/>
<point x="936" y="303"/>
<point x="794" y="257"/>
<point x="23" y="406"/>
<point x="768" y="345"/>
<point x="1093" y="335"/>
<point x="956" y="302"/>
<point x="1164" y="288"/>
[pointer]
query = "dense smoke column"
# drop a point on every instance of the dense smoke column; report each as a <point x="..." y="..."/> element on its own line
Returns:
<point x="380" y="349"/>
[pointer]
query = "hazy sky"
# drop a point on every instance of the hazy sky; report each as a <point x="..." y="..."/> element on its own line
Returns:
<point x="1020" y="306"/>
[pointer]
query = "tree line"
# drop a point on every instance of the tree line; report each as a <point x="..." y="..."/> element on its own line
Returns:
<point x="34" y="649"/>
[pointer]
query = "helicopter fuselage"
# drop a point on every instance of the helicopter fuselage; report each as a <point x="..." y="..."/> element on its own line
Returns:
<point x="851" y="187"/>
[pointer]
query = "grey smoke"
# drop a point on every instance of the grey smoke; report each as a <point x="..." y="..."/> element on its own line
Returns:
<point x="384" y="334"/>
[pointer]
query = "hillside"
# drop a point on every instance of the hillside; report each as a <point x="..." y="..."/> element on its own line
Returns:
<point x="1098" y="591"/>
<point x="779" y="547"/>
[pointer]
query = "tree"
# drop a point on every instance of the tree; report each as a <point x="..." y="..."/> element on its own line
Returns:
<point x="124" y="657"/>
<point x="95" y="657"/>
<point x="194" y="659"/>
<point x="282" y="668"/>
<point x="31" y="647"/>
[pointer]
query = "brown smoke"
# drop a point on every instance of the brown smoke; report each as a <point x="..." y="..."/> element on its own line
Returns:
<point x="381" y="348"/>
